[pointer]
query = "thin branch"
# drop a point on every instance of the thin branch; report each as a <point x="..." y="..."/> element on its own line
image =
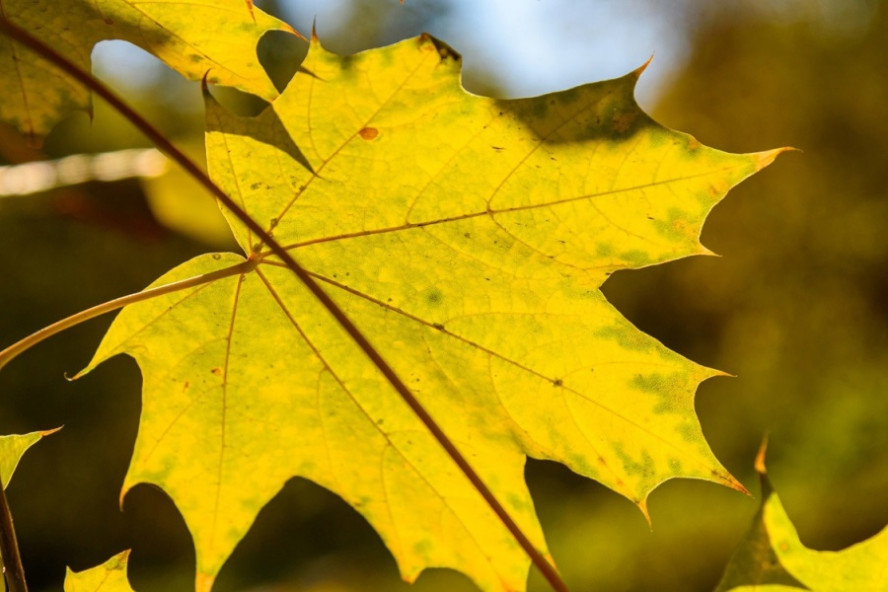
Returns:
<point x="20" y="35"/>
<point x="19" y="347"/>
<point x="13" y="570"/>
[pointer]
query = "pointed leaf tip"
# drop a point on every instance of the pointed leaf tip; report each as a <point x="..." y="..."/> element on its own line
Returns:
<point x="643" y="506"/>
<point x="764" y="159"/>
<point x="208" y="97"/>
<point x="760" y="457"/>
<point x="637" y="72"/>
<point x="722" y="373"/>
<point x="731" y="482"/>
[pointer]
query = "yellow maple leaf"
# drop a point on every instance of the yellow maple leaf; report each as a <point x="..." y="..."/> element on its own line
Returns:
<point x="467" y="237"/>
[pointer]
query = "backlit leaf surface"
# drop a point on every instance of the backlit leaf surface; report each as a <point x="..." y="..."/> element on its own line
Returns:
<point x="108" y="577"/>
<point x="12" y="447"/>
<point x="468" y="238"/>
<point x="192" y="36"/>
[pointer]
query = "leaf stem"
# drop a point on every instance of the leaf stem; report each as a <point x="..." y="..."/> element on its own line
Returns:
<point x="13" y="571"/>
<point x="542" y="563"/>
<point x="33" y="339"/>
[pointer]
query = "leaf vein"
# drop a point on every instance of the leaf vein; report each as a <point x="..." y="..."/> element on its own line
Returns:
<point x="505" y="359"/>
<point x="500" y="212"/>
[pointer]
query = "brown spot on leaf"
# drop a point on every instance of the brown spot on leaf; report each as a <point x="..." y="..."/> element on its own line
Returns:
<point x="623" y="121"/>
<point x="368" y="133"/>
<point x="217" y="371"/>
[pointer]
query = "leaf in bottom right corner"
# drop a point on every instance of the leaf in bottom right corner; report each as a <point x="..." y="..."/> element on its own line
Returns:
<point x="771" y="558"/>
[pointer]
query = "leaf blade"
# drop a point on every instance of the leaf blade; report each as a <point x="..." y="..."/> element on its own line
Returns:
<point x="107" y="577"/>
<point x="461" y="325"/>
<point x="13" y="447"/>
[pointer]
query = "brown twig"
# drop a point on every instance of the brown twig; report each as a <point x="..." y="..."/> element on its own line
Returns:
<point x="13" y="570"/>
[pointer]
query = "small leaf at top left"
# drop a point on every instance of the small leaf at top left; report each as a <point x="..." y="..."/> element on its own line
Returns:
<point x="217" y="37"/>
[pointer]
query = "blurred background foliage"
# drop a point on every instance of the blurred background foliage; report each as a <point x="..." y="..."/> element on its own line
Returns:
<point x="797" y="307"/>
